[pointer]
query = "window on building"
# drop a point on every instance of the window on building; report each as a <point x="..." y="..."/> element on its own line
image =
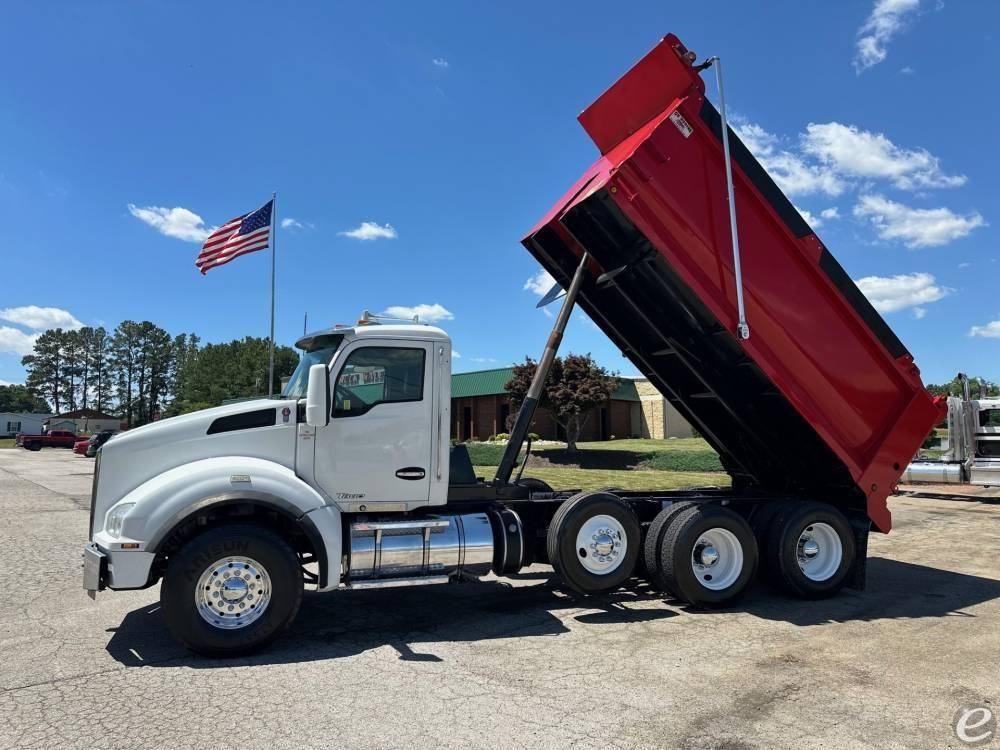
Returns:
<point x="376" y="375"/>
<point x="13" y="427"/>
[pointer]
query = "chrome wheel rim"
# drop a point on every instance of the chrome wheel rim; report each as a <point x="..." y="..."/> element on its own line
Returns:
<point x="233" y="592"/>
<point x="819" y="551"/>
<point x="601" y="545"/>
<point x="717" y="559"/>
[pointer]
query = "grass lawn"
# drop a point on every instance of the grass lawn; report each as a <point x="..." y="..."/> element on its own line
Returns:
<point x="6" y="442"/>
<point x="629" y="464"/>
<point x="595" y="479"/>
<point x="688" y="454"/>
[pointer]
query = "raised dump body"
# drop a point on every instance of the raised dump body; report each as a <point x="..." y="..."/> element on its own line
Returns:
<point x="822" y="400"/>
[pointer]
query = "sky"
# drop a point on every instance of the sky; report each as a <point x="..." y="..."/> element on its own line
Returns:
<point x="412" y="145"/>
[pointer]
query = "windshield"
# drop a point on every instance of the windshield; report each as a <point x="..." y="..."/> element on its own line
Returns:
<point x="299" y="381"/>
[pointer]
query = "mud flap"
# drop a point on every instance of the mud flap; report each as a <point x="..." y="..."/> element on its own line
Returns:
<point x="857" y="578"/>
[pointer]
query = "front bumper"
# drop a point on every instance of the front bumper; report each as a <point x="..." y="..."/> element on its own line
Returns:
<point x="105" y="567"/>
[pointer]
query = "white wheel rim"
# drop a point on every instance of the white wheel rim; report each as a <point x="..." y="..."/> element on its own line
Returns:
<point x="601" y="545"/>
<point x="717" y="559"/>
<point x="233" y="592"/>
<point x="819" y="551"/>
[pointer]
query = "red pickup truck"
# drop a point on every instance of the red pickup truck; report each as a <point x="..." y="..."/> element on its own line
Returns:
<point x="51" y="439"/>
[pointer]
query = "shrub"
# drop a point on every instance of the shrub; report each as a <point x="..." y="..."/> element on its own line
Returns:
<point x="485" y="454"/>
<point x="680" y="460"/>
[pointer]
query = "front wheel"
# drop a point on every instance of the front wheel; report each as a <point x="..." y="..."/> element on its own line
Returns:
<point x="231" y="590"/>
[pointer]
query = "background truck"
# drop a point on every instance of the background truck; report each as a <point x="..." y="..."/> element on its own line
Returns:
<point x="349" y="480"/>
<point x="973" y="444"/>
<point x="50" y="439"/>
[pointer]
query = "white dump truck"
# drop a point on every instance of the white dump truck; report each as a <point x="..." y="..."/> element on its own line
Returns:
<point x="349" y="480"/>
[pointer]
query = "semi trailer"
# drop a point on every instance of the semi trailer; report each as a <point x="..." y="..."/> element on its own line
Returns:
<point x="680" y="247"/>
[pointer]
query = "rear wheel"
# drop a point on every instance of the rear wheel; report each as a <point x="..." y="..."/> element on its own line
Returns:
<point x="810" y="550"/>
<point x="708" y="555"/>
<point x="33" y="446"/>
<point x="593" y="542"/>
<point x="231" y="590"/>
<point x="654" y="538"/>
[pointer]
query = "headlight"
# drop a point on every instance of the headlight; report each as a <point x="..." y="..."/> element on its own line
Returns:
<point x="115" y="519"/>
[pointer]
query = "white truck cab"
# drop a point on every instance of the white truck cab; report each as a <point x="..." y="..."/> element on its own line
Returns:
<point x="319" y="486"/>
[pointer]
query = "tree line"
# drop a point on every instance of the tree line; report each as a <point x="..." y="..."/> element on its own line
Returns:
<point x="140" y="372"/>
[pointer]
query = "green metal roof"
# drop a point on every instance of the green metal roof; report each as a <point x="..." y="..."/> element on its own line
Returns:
<point x="492" y="382"/>
<point x="480" y="383"/>
<point x="626" y="391"/>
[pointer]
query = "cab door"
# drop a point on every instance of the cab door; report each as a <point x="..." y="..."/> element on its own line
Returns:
<point x="377" y="446"/>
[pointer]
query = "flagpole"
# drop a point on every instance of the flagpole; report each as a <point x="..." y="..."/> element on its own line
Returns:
<point x="274" y="250"/>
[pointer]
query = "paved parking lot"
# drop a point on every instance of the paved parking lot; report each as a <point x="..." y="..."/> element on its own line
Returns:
<point x="502" y="663"/>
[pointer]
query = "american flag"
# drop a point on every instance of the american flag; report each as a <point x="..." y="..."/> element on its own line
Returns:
<point x="239" y="236"/>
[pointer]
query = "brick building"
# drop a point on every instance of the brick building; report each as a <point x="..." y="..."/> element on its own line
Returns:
<point x="480" y="406"/>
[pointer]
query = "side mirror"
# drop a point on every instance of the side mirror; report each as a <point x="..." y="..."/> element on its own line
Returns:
<point x="318" y="397"/>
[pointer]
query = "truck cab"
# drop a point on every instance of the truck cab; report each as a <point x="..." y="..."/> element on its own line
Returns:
<point x="385" y="442"/>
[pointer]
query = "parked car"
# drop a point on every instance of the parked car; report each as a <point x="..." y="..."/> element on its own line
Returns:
<point x="96" y="441"/>
<point x="51" y="439"/>
<point x="80" y="446"/>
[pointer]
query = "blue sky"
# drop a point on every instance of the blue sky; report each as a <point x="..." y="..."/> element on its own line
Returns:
<point x="128" y="129"/>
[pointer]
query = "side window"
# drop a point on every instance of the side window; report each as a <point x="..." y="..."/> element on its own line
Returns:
<point x="376" y="375"/>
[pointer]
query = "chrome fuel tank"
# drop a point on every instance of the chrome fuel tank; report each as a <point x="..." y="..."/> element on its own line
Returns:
<point x="935" y="472"/>
<point x="452" y="546"/>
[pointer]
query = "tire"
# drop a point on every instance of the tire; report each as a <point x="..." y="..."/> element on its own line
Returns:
<point x="536" y="485"/>
<point x="654" y="538"/>
<point x="810" y="573"/>
<point x="697" y="534"/>
<point x="220" y="550"/>
<point x="572" y="546"/>
<point x="33" y="446"/>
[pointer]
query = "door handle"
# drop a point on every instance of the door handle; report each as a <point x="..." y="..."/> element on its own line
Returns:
<point x="411" y="473"/>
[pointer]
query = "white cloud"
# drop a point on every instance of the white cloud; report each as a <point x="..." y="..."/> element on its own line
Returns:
<point x="964" y="265"/>
<point x="289" y="223"/>
<point x="989" y="331"/>
<point x="15" y="341"/>
<point x="792" y="173"/>
<point x="174" y="222"/>
<point x="887" y="19"/>
<point x="426" y="313"/>
<point x="812" y="219"/>
<point x="906" y="291"/>
<point x="915" y="227"/>
<point x="540" y="283"/>
<point x="455" y="354"/>
<point x="40" y="318"/>
<point x="7" y="382"/>
<point x="830" y="213"/>
<point x="860" y="153"/>
<point x="484" y="360"/>
<point x="370" y="230"/>
<point x="906" y="70"/>
<point x="440" y="62"/>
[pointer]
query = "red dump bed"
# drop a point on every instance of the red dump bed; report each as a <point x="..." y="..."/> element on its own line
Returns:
<point x="823" y="400"/>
